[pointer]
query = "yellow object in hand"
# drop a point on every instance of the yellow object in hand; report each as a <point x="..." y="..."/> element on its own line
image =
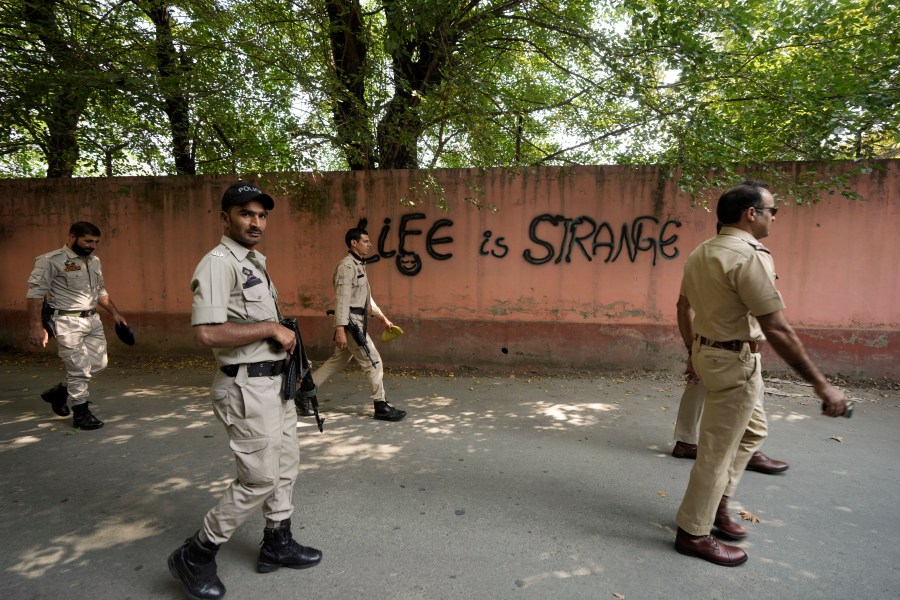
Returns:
<point x="391" y="333"/>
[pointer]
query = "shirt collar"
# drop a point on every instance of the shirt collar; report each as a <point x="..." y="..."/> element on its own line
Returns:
<point x="744" y="235"/>
<point x="239" y="251"/>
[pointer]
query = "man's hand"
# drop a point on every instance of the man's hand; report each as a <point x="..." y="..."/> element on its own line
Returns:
<point x="340" y="337"/>
<point x="690" y="375"/>
<point x="834" y="401"/>
<point x="37" y="335"/>
<point x="285" y="338"/>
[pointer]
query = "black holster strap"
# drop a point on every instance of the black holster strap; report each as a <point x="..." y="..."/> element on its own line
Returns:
<point x="357" y="310"/>
<point x="261" y="369"/>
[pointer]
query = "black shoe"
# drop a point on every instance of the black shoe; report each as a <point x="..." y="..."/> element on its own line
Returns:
<point x="57" y="397"/>
<point x="84" y="418"/>
<point x="195" y="565"/>
<point x="386" y="412"/>
<point x="279" y="549"/>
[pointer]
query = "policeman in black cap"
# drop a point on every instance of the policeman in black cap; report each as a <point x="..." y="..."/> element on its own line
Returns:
<point x="235" y="313"/>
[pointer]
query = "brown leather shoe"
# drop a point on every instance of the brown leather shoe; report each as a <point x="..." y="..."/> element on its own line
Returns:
<point x="763" y="464"/>
<point x="684" y="450"/>
<point x="709" y="548"/>
<point x="725" y="526"/>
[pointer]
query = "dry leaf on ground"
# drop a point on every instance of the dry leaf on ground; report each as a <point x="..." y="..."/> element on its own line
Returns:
<point x="749" y="516"/>
<point x="838" y="438"/>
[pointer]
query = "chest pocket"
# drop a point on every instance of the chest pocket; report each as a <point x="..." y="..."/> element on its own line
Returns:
<point x="259" y="303"/>
<point x="77" y="280"/>
<point x="359" y="278"/>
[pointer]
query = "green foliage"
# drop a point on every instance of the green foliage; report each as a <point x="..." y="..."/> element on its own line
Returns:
<point x="713" y="90"/>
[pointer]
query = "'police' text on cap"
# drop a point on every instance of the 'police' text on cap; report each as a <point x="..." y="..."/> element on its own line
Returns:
<point x="243" y="192"/>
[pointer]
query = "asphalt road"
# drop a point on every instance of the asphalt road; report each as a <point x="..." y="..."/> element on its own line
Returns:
<point x="496" y="486"/>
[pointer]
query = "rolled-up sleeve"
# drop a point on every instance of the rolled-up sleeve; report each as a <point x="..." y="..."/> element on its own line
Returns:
<point x="212" y="284"/>
<point x="343" y="282"/>
<point x="40" y="279"/>
<point x="101" y="283"/>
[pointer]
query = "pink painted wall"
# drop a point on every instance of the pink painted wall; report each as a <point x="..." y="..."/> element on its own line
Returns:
<point x="543" y="281"/>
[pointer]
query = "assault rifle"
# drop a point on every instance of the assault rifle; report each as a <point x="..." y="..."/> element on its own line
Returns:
<point x="359" y="337"/>
<point x="297" y="369"/>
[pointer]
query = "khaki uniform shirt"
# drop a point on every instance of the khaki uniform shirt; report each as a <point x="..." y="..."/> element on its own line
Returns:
<point x="70" y="281"/>
<point x="729" y="280"/>
<point x="351" y="290"/>
<point x="230" y="284"/>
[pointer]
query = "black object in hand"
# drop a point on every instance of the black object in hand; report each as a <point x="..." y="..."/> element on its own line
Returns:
<point x="125" y="333"/>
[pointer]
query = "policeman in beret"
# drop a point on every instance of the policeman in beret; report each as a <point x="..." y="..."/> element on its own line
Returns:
<point x="71" y="281"/>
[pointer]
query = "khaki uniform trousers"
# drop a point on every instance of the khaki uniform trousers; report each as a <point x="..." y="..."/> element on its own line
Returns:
<point x="689" y="409"/>
<point x="81" y="345"/>
<point x="732" y="428"/>
<point x="262" y="432"/>
<point x="341" y="358"/>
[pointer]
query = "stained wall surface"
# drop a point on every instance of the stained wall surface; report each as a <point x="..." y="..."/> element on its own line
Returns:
<point x="547" y="267"/>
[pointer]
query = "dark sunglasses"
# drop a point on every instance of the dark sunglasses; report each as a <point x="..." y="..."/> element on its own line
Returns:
<point x="774" y="209"/>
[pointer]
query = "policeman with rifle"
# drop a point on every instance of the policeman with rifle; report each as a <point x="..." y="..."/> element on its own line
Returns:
<point x="353" y="305"/>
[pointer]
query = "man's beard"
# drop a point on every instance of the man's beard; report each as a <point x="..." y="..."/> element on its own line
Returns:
<point x="81" y="250"/>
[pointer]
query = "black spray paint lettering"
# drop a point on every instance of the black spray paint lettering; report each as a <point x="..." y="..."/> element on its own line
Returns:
<point x="408" y="261"/>
<point x="498" y="243"/>
<point x="584" y="234"/>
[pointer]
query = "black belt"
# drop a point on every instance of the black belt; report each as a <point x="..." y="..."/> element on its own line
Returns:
<point x="357" y="311"/>
<point x="733" y="345"/>
<point x="268" y="368"/>
<point x="75" y="313"/>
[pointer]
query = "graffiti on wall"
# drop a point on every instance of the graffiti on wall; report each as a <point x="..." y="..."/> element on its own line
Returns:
<point x="553" y="239"/>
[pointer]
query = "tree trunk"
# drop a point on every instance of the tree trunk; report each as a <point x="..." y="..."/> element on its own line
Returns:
<point x="172" y="68"/>
<point x="350" y="112"/>
<point x="65" y="101"/>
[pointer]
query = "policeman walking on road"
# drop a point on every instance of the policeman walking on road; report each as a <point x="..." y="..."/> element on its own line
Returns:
<point x="353" y="305"/>
<point x="235" y="313"/>
<point x="729" y="284"/>
<point x="70" y="280"/>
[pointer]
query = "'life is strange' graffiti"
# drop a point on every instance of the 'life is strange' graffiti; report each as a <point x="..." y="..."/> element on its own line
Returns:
<point x="555" y="238"/>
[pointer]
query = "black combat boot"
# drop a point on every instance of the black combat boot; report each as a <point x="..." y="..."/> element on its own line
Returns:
<point x="195" y="565"/>
<point x="386" y="412"/>
<point x="57" y="397"/>
<point x="84" y="418"/>
<point x="279" y="549"/>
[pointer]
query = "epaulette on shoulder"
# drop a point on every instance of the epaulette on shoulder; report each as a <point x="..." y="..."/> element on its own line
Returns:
<point x="758" y="246"/>
<point x="51" y="254"/>
<point x="217" y="252"/>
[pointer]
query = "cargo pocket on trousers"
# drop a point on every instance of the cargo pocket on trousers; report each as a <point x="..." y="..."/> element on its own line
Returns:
<point x="251" y="456"/>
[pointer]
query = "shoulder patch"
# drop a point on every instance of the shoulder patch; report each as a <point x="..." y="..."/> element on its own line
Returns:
<point x="216" y="253"/>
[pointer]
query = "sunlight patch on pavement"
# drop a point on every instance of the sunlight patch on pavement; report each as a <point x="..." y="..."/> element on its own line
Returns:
<point x="72" y="549"/>
<point x="19" y="442"/>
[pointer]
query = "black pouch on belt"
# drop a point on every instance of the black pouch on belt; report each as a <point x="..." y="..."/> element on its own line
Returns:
<point x="46" y="318"/>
